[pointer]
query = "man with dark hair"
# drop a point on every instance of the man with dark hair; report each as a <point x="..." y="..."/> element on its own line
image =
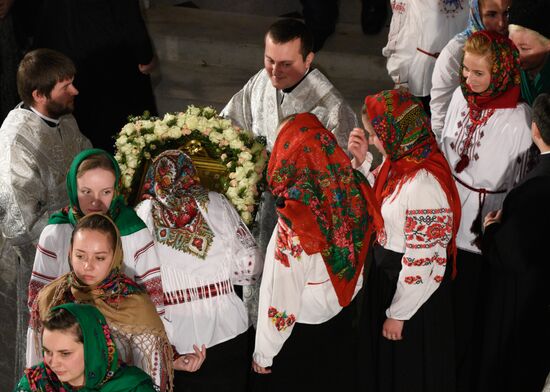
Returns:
<point x="516" y="339"/>
<point x="38" y="140"/>
<point x="288" y="84"/>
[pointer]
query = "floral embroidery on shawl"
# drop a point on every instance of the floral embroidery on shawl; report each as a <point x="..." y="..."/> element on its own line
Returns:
<point x="171" y="183"/>
<point x="280" y="319"/>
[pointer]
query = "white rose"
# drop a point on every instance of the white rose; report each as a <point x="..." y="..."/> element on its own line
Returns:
<point x="191" y="122"/>
<point x="231" y="193"/>
<point x="193" y="110"/>
<point x="122" y="140"/>
<point x="224" y="123"/>
<point x="215" y="137"/>
<point x="128" y="129"/>
<point x="174" y="132"/>
<point x="229" y="134"/>
<point x="132" y="162"/>
<point x="208" y="111"/>
<point x="240" y="173"/>
<point x="147" y="125"/>
<point x="236" y="144"/>
<point x="248" y="166"/>
<point x="181" y="121"/>
<point x="245" y="156"/>
<point x="168" y="117"/>
<point x="161" y="129"/>
<point x="127" y="180"/>
<point x="247" y="217"/>
<point x="150" y="137"/>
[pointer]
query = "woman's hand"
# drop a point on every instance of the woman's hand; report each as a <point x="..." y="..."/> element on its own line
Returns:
<point x="358" y="145"/>
<point x="260" y="370"/>
<point x="393" y="329"/>
<point x="191" y="362"/>
<point x="146" y="69"/>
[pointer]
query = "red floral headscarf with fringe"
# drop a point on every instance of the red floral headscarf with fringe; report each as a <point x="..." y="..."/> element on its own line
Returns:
<point x="404" y="129"/>
<point x="328" y="204"/>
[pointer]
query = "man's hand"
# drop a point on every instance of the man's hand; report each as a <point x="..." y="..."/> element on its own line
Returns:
<point x="260" y="370"/>
<point x="358" y="145"/>
<point x="392" y="329"/>
<point x="492" y="217"/>
<point x="191" y="362"/>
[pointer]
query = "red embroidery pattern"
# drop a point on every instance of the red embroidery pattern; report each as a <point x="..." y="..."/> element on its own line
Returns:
<point x="280" y="319"/>
<point x="413" y="279"/>
<point x="438" y="278"/>
<point x="154" y="289"/>
<point x="287" y="240"/>
<point x="424" y="261"/>
<point x="428" y="228"/>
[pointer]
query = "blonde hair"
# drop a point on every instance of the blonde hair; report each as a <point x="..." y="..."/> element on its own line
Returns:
<point x="481" y="45"/>
<point x="518" y="29"/>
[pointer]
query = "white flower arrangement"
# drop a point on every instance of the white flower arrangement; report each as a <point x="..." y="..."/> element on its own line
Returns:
<point x="244" y="156"/>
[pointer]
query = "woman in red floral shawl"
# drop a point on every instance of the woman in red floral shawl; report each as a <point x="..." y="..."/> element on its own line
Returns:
<point x="314" y="261"/>
<point x="407" y="320"/>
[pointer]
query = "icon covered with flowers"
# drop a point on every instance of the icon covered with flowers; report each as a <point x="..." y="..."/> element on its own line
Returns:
<point x="229" y="160"/>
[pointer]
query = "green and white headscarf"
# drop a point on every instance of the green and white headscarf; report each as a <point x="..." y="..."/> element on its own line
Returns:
<point x="124" y="217"/>
<point x="104" y="372"/>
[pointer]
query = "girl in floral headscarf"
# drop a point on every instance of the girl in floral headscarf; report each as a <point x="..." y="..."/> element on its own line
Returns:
<point x="314" y="261"/>
<point x="490" y="15"/>
<point x="404" y="348"/>
<point x="486" y="141"/>
<point x="80" y="355"/>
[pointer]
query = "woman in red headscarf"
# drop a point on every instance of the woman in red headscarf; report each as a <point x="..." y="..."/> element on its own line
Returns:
<point x="314" y="261"/>
<point x="486" y="141"/>
<point x="407" y="318"/>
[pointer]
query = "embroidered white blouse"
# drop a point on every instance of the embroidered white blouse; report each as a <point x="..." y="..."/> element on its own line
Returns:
<point x="140" y="262"/>
<point x="419" y="27"/>
<point x="418" y="223"/>
<point x="498" y="162"/>
<point x="298" y="291"/>
<point x="201" y="305"/>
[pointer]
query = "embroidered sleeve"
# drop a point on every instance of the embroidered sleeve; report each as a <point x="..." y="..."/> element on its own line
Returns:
<point x="427" y="232"/>
<point x="283" y="282"/>
<point x="401" y="44"/>
<point x="47" y="263"/>
<point x="146" y="266"/>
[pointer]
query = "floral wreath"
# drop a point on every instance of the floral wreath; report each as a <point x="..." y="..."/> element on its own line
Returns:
<point x="245" y="156"/>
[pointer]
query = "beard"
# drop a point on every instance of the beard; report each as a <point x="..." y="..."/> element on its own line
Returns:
<point x="56" y="109"/>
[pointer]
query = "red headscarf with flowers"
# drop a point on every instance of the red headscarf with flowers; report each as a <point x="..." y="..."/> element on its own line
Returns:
<point x="503" y="91"/>
<point x="322" y="199"/>
<point x="173" y="186"/>
<point x="404" y="129"/>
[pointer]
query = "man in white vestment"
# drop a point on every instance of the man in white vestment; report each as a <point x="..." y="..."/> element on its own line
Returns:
<point x="38" y="141"/>
<point x="287" y="85"/>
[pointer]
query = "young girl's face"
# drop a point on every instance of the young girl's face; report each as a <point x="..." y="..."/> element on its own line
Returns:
<point x="373" y="138"/>
<point x="91" y="256"/>
<point x="96" y="188"/>
<point x="64" y="354"/>
<point x="477" y="72"/>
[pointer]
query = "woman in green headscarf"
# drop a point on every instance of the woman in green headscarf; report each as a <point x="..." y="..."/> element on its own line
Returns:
<point x="93" y="185"/>
<point x="79" y="354"/>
